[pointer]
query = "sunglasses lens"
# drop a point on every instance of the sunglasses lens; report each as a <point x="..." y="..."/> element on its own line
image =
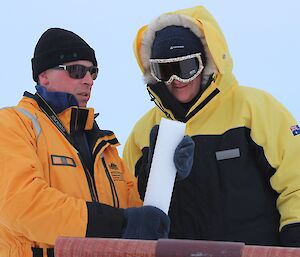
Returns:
<point x="94" y="72"/>
<point x="78" y="71"/>
<point x="184" y="69"/>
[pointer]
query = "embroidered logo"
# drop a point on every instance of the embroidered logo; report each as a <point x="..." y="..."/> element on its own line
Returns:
<point x="116" y="174"/>
<point x="295" y="130"/>
<point x="113" y="166"/>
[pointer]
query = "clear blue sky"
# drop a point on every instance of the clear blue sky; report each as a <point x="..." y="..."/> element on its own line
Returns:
<point x="263" y="38"/>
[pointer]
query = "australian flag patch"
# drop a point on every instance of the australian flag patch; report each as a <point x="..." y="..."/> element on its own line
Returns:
<point x="295" y="130"/>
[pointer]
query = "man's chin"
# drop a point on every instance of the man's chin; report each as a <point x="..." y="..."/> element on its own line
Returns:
<point x="82" y="103"/>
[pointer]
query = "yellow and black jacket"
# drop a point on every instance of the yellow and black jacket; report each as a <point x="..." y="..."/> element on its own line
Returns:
<point x="49" y="189"/>
<point x="245" y="181"/>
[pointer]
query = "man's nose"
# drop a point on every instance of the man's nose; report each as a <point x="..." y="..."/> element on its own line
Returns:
<point x="88" y="79"/>
<point x="176" y="82"/>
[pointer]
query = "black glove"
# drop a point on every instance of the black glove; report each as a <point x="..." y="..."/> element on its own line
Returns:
<point x="146" y="222"/>
<point x="144" y="164"/>
<point x="152" y="143"/>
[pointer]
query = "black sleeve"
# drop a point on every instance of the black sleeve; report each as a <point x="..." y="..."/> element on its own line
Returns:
<point x="290" y="235"/>
<point x="142" y="169"/>
<point x="104" y="221"/>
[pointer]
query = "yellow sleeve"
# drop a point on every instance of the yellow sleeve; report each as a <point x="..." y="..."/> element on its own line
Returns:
<point x="29" y="207"/>
<point x="273" y="130"/>
<point x="131" y="153"/>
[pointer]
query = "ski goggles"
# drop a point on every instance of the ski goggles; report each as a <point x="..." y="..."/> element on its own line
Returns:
<point x="183" y="69"/>
<point x="78" y="71"/>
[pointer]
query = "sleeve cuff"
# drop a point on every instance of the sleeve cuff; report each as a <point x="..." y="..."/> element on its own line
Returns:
<point x="290" y="235"/>
<point x="104" y="220"/>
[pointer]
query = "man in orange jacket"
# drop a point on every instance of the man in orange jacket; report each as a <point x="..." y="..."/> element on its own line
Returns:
<point x="60" y="174"/>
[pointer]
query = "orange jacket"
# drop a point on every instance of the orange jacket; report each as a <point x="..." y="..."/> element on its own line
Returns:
<point x="45" y="191"/>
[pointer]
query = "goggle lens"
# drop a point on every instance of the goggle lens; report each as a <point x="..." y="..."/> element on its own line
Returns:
<point x="184" y="68"/>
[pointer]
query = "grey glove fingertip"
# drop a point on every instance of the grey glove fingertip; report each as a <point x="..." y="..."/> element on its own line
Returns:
<point x="184" y="157"/>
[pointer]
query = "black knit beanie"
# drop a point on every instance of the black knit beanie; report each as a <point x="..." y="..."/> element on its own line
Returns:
<point x="57" y="46"/>
<point x="175" y="41"/>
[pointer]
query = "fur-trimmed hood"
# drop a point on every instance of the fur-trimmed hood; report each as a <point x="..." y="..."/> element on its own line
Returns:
<point x="202" y="24"/>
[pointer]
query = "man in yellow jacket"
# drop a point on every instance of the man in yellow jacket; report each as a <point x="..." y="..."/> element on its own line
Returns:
<point x="245" y="180"/>
<point x="60" y="174"/>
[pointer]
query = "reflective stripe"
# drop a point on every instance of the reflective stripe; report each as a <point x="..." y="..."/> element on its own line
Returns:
<point x="228" y="154"/>
<point x="33" y="119"/>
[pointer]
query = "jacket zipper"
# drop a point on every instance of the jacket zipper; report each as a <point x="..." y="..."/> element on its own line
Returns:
<point x="46" y="109"/>
<point x="90" y="180"/>
<point x="112" y="185"/>
<point x="89" y="177"/>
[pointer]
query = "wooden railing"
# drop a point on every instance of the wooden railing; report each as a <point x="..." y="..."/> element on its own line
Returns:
<point x="100" y="247"/>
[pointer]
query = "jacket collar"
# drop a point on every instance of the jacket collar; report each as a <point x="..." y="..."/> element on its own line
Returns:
<point x="65" y="107"/>
<point x="58" y="101"/>
<point x="172" y="108"/>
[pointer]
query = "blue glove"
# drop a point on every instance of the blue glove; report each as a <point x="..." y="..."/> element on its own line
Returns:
<point x="146" y="222"/>
<point x="184" y="157"/>
<point x="183" y="160"/>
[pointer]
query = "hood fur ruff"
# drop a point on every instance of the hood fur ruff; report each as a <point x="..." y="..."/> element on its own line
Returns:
<point x="166" y="20"/>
